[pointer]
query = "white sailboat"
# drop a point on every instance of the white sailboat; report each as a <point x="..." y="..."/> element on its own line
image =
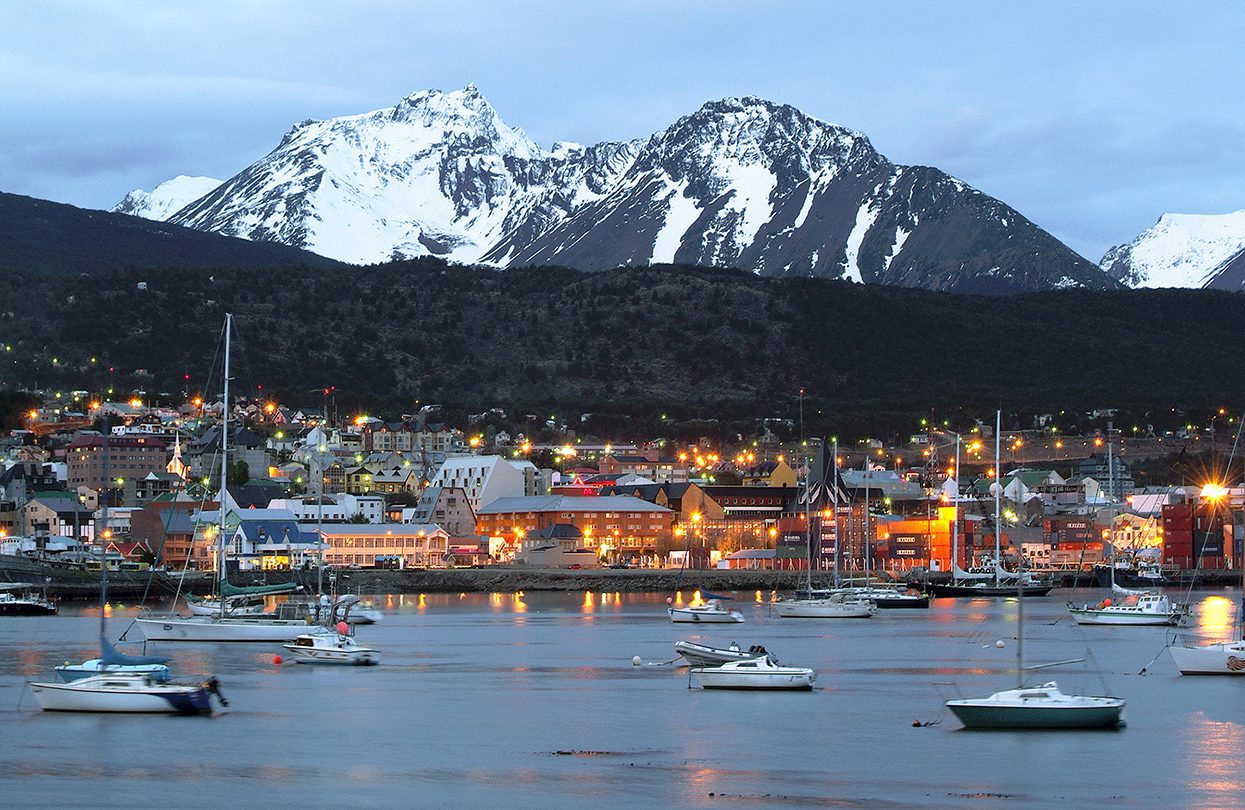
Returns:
<point x="289" y="621"/>
<point x="1039" y="707"/>
<point x="711" y="612"/>
<point x="755" y="673"/>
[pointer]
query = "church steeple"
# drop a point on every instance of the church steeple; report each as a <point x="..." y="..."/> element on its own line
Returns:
<point x="176" y="465"/>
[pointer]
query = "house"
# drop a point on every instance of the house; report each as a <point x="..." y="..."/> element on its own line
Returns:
<point x="769" y="474"/>
<point x="560" y="545"/>
<point x="1112" y="472"/>
<point x="167" y="526"/>
<point x="271" y="540"/>
<point x="397" y="479"/>
<point x="486" y="478"/>
<point x="59" y="514"/>
<point x="621" y="524"/>
<point x="399" y="545"/>
<point x="447" y="507"/>
<point x="650" y="465"/>
<point x="339" y="508"/>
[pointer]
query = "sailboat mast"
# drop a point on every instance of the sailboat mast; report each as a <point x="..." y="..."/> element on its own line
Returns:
<point x="834" y="495"/>
<point x="955" y="524"/>
<point x="998" y="496"/>
<point x="224" y="465"/>
<point x="101" y="533"/>
<point x="867" y="544"/>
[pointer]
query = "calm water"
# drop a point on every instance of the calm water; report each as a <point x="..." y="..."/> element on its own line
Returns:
<point x="478" y="694"/>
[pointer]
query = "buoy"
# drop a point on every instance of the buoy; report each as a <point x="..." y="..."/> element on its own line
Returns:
<point x="276" y="659"/>
<point x="635" y="662"/>
<point x="1000" y="644"/>
<point x="669" y="600"/>
<point x="1106" y="602"/>
<point x="343" y="628"/>
<point x="916" y="723"/>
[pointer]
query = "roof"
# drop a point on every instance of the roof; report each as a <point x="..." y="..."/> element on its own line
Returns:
<point x="569" y="503"/>
<point x="374" y="529"/>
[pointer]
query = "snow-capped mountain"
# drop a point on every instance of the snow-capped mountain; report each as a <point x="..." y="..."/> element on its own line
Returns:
<point x="741" y="182"/>
<point x="1183" y="250"/>
<point x="165" y="199"/>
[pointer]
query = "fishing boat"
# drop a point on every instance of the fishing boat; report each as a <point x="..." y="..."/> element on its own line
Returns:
<point x="700" y="655"/>
<point x="1131" y="607"/>
<point x="756" y="673"/>
<point x="711" y="612"/>
<point x="289" y="620"/>
<point x="21" y="599"/>
<point x="127" y="692"/>
<point x="339" y="649"/>
<point x="1039" y="707"/>
<point x="1135" y="574"/>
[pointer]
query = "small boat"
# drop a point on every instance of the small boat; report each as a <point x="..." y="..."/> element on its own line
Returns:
<point x="20" y="599"/>
<point x="1038" y="707"/>
<point x="127" y="692"/>
<point x="111" y="661"/>
<point x="1139" y="574"/>
<point x="883" y="598"/>
<point x="711" y="611"/>
<point x="836" y="607"/>
<point x="319" y="648"/>
<point x="756" y="673"/>
<point x="1131" y="607"/>
<point x="700" y="655"/>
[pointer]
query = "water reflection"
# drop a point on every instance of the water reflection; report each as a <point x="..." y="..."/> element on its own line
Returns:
<point x="1215" y="758"/>
<point x="1214" y="616"/>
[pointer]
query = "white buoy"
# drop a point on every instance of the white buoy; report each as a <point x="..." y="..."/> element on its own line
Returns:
<point x="1000" y="644"/>
<point x="635" y="662"/>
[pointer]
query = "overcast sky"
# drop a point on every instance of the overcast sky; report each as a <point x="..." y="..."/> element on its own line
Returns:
<point x="1091" y="118"/>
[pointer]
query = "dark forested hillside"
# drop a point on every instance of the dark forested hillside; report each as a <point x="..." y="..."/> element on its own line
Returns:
<point x="697" y="343"/>
<point x="48" y="238"/>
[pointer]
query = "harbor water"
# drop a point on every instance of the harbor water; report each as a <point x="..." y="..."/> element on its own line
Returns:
<point x="533" y="701"/>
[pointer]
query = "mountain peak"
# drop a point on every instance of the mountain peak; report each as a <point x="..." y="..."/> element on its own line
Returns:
<point x="1180" y="250"/>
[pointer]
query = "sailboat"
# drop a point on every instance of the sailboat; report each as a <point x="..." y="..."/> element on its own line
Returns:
<point x="289" y="621"/>
<point x="116" y="682"/>
<point x="809" y="604"/>
<point x="1036" y="707"/>
<point x="998" y="583"/>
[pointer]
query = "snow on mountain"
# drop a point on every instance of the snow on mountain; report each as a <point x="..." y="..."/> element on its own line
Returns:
<point x="165" y="199"/>
<point x="1181" y="250"/>
<point x="741" y="182"/>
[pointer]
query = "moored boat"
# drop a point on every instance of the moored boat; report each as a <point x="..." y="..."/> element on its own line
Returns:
<point x="123" y="692"/>
<point x="1131" y="608"/>
<point x="756" y="673"/>
<point x="700" y="655"/>
<point x="712" y="611"/>
<point x="833" y="608"/>
<point x="341" y="648"/>
<point x="20" y="599"/>
<point x="1038" y="707"/>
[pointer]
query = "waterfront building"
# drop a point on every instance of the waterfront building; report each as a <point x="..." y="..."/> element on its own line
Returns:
<point x="388" y="545"/>
<point x="620" y="524"/>
<point x="487" y="478"/>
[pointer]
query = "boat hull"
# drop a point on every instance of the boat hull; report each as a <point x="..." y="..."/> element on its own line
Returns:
<point x="356" y="658"/>
<point x="27" y="608"/>
<point x="694" y="616"/>
<point x="987" y="591"/>
<point x="1106" y="617"/>
<point x="1213" y="659"/>
<point x="208" y="629"/>
<point x="716" y="678"/>
<point x="819" y="609"/>
<point x="94" y="695"/>
<point x="1025" y="717"/>
<point x="699" y="655"/>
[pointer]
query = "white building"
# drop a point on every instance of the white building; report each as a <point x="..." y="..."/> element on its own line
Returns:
<point x="338" y="508"/>
<point x="486" y="478"/>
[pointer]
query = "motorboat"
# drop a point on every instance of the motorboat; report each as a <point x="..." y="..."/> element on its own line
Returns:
<point x="1135" y="574"/>
<point x="127" y="692"/>
<point x="700" y="655"/>
<point x="712" y="611"/>
<point x="1038" y="707"/>
<point x="111" y="661"/>
<point x="755" y="673"/>
<point x="1131" y="607"/>
<point x="835" y="607"/>
<point x="20" y="599"/>
<point x="340" y="648"/>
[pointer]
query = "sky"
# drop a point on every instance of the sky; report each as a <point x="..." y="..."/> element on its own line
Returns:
<point x="1090" y="118"/>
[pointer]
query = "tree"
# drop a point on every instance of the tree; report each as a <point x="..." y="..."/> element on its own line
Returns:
<point x="239" y="473"/>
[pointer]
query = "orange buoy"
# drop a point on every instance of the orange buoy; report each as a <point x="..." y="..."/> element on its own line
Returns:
<point x="276" y="659"/>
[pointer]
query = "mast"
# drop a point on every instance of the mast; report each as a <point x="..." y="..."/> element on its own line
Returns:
<point x="224" y="466"/>
<point x="834" y="494"/>
<point x="955" y="524"/>
<point x="100" y="533"/>
<point x="867" y="545"/>
<point x="998" y="496"/>
<point x="808" y="515"/>
<point x="1111" y="469"/>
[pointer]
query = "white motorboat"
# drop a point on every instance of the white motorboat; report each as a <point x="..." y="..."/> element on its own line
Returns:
<point x="835" y="607"/>
<point x="1038" y="707"/>
<point x="1131" y="608"/>
<point x="756" y="673"/>
<point x="321" y="648"/>
<point x="126" y="692"/>
<point x="711" y="611"/>
<point x="700" y="655"/>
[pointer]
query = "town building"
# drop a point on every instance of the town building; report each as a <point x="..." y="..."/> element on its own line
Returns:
<point x="620" y="525"/>
<point x="92" y="462"/>
<point x="389" y="545"/>
<point x="486" y="478"/>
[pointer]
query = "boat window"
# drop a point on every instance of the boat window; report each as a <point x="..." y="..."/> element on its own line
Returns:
<point x="748" y="665"/>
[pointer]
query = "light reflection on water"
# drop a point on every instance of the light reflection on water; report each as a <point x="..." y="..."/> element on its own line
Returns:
<point x="476" y="691"/>
<point x="1215" y="615"/>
